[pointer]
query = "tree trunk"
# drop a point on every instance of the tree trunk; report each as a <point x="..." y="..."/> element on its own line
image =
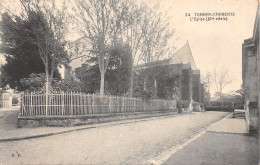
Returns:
<point x="102" y="83"/>
<point x="47" y="85"/>
<point x="131" y="83"/>
<point x="47" y="74"/>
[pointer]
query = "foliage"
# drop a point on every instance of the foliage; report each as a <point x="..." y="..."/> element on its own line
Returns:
<point x="165" y="79"/>
<point x="22" y="57"/>
<point x="186" y="84"/>
<point x="36" y="82"/>
<point x="232" y="98"/>
<point x="149" y="35"/>
<point x="222" y="104"/>
<point x="196" y="91"/>
<point x="196" y="106"/>
<point x="47" y="31"/>
<point x="70" y="84"/>
<point x="117" y="74"/>
<point x="219" y="108"/>
<point x="185" y="103"/>
<point x="100" y="23"/>
<point x="91" y="79"/>
<point x="119" y="70"/>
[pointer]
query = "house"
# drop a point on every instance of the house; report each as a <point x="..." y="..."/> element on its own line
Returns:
<point x="251" y="76"/>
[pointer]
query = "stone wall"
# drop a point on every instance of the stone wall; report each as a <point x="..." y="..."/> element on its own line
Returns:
<point x="251" y="83"/>
<point x="87" y="119"/>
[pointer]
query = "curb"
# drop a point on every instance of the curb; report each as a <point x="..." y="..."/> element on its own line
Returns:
<point x="111" y="123"/>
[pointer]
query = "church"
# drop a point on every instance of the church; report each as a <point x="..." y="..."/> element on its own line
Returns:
<point x="175" y="78"/>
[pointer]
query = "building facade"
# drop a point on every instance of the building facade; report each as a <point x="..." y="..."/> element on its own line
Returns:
<point x="251" y="77"/>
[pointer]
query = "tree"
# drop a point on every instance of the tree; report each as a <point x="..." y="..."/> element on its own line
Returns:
<point x="119" y="70"/>
<point x="134" y="32"/>
<point x="100" y="22"/>
<point x="221" y="79"/>
<point x="48" y="29"/>
<point x="117" y="74"/>
<point x="148" y="33"/>
<point x="155" y="38"/>
<point x="22" y="57"/>
<point x="156" y="35"/>
<point x="207" y="82"/>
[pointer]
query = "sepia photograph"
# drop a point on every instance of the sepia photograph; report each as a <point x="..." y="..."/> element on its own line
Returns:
<point x="129" y="82"/>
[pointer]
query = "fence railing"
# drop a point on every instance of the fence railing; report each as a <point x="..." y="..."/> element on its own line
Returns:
<point x="69" y="103"/>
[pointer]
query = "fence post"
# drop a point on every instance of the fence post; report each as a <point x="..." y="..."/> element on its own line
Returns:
<point x="133" y="110"/>
<point x="109" y="103"/>
<point x="123" y="107"/>
<point x="31" y="105"/>
<point x="93" y="103"/>
<point x="62" y="108"/>
<point x="46" y="103"/>
<point x="71" y="101"/>
<point x="21" y="103"/>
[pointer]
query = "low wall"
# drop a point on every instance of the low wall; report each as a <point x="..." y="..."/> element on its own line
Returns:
<point x="56" y="121"/>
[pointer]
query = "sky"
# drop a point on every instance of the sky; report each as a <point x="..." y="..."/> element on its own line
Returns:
<point x="214" y="44"/>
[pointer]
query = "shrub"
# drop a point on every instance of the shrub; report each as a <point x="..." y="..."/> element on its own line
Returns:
<point x="227" y="104"/>
<point x="220" y="108"/>
<point x="196" y="106"/>
<point x="221" y="104"/>
<point x="239" y="105"/>
<point x="185" y="103"/>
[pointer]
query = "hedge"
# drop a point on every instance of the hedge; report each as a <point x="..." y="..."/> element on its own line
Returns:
<point x="220" y="108"/>
<point x="221" y="104"/>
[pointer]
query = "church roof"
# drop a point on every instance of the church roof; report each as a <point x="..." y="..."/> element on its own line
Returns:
<point x="256" y="26"/>
<point x="184" y="56"/>
<point x="155" y="63"/>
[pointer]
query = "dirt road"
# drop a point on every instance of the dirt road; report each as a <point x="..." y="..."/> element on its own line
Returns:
<point x="131" y="143"/>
